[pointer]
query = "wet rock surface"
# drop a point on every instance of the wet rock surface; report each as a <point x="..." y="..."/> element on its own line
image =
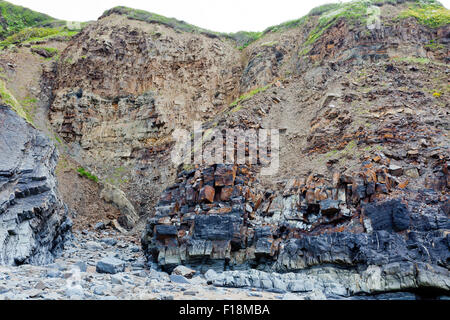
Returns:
<point x="33" y="219"/>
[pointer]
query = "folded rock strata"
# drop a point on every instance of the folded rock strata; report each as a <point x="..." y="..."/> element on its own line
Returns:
<point x="33" y="219"/>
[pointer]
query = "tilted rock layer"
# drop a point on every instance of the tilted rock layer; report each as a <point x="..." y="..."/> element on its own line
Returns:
<point x="33" y="221"/>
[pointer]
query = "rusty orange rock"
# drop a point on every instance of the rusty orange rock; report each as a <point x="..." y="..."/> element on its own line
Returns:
<point x="226" y="193"/>
<point x="207" y="193"/>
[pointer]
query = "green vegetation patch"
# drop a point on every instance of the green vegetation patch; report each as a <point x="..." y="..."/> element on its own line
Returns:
<point x="250" y="94"/>
<point x="30" y="35"/>
<point x="287" y="25"/>
<point x="435" y="45"/>
<point x="84" y="173"/>
<point x="8" y="98"/>
<point x="15" y="18"/>
<point x="413" y="60"/>
<point x="51" y="51"/>
<point x="150" y="17"/>
<point x="430" y="14"/>
<point x="354" y="12"/>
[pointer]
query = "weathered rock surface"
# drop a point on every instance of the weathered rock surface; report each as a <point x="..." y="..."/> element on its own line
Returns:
<point x="360" y="204"/>
<point x="110" y="265"/>
<point x="337" y="283"/>
<point x="33" y="219"/>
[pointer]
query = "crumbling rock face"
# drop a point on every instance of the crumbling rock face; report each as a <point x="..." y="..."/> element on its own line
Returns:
<point x="122" y="140"/>
<point x="364" y="168"/>
<point x="33" y="219"/>
<point x="344" y="43"/>
<point x="118" y="57"/>
<point x="346" y="223"/>
<point x="122" y="86"/>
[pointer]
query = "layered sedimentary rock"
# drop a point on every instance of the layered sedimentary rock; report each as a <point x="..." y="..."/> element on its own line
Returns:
<point x="122" y="86"/>
<point x="33" y="219"/>
<point x="363" y="120"/>
<point x="204" y="221"/>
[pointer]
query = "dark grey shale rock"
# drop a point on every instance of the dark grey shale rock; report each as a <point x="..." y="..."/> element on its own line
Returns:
<point x="110" y="265"/>
<point x="395" y="280"/>
<point x="390" y="216"/>
<point x="33" y="219"/>
<point x="362" y="250"/>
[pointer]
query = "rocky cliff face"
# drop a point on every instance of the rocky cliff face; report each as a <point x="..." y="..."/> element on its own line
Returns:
<point x="33" y="219"/>
<point x="360" y="202"/>
<point x="122" y="86"/>
<point x="363" y="180"/>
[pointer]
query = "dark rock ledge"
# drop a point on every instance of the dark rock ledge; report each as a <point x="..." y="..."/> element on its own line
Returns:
<point x="33" y="220"/>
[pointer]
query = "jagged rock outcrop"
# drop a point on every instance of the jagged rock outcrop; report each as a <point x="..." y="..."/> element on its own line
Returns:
<point x="33" y="220"/>
<point x="363" y="180"/>
<point x="397" y="281"/>
<point x="122" y="86"/>
<point x="363" y="117"/>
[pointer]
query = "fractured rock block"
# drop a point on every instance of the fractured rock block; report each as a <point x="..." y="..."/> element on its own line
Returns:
<point x="329" y="207"/>
<point x="208" y="176"/>
<point x="225" y="175"/>
<point x="226" y="193"/>
<point x="110" y="265"/>
<point x="263" y="247"/>
<point x="216" y="227"/>
<point x="207" y="193"/>
<point x="390" y="215"/>
<point x="395" y="170"/>
<point x="166" y="231"/>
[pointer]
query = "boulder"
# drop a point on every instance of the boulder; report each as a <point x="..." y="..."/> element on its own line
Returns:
<point x="110" y="265"/>
<point x="207" y="194"/>
<point x="179" y="279"/>
<point x="184" y="271"/>
<point x="117" y="197"/>
<point x="395" y="170"/>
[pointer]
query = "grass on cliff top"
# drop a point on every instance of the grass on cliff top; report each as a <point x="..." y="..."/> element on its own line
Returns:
<point x="328" y="14"/>
<point x="242" y="38"/>
<point x="29" y="35"/>
<point x="16" y="18"/>
<point x="432" y="15"/>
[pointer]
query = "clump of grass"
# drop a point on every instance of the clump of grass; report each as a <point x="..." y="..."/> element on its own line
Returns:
<point x="29" y="105"/>
<point x="50" y="50"/>
<point x="8" y="98"/>
<point x="287" y="25"/>
<point x="84" y="173"/>
<point x="250" y="94"/>
<point x="27" y="34"/>
<point x="354" y="12"/>
<point x="30" y="35"/>
<point x="413" y="60"/>
<point x="431" y="14"/>
<point x="435" y="45"/>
